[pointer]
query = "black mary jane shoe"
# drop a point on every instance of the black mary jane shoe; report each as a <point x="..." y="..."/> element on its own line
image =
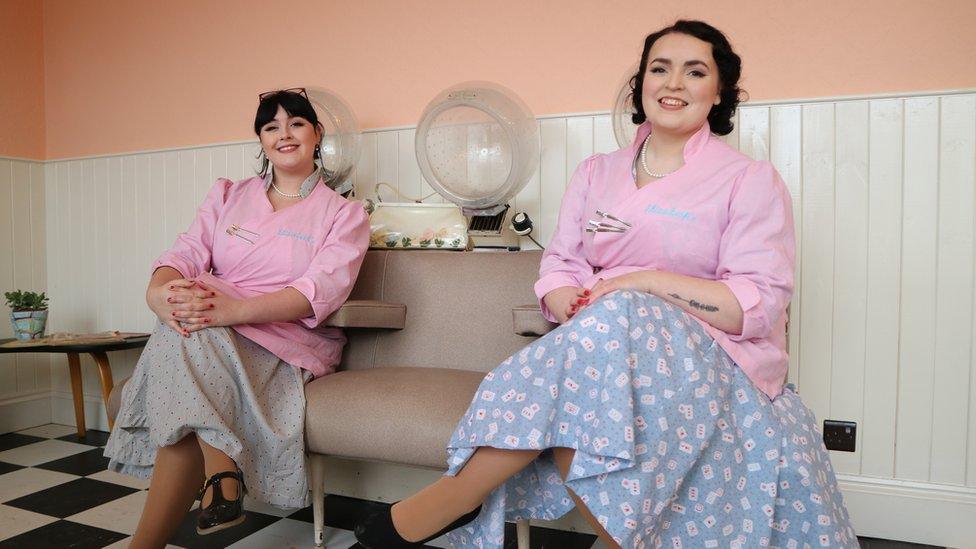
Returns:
<point x="221" y="513"/>
<point x="376" y="531"/>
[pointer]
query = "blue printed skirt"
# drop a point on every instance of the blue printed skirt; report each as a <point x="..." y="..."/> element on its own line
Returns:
<point x="675" y="446"/>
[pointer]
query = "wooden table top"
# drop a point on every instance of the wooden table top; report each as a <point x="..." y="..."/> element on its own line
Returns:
<point x="134" y="341"/>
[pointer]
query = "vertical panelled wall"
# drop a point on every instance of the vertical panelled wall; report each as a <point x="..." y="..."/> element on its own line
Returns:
<point x="883" y="197"/>
<point x="25" y="379"/>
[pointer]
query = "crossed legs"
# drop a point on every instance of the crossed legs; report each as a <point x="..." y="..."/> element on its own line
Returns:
<point x="178" y="473"/>
<point x="448" y="498"/>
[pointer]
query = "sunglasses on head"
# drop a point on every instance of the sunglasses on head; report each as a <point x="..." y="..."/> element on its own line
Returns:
<point x="299" y="91"/>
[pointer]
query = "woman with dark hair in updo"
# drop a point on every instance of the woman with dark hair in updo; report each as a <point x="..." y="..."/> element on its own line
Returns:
<point x="218" y="393"/>
<point x="658" y="407"/>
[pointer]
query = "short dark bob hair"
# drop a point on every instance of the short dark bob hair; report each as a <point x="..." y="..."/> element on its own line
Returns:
<point x="729" y="70"/>
<point x="295" y="104"/>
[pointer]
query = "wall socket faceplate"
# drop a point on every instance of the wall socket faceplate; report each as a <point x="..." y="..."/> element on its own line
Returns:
<point x="839" y="435"/>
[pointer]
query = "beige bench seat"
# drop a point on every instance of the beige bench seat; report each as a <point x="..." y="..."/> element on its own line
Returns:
<point x="350" y="416"/>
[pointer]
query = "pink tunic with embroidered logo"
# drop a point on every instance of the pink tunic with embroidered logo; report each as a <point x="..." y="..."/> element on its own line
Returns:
<point x="315" y="246"/>
<point x="722" y="216"/>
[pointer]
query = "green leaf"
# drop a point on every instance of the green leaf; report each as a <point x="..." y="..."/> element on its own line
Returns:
<point x="26" y="301"/>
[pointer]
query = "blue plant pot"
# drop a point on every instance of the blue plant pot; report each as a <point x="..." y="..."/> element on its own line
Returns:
<point x="28" y="324"/>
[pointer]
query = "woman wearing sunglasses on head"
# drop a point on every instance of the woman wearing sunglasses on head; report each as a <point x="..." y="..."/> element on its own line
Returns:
<point x="218" y="393"/>
<point x="658" y="407"/>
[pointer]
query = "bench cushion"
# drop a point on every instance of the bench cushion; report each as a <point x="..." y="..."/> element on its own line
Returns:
<point x="400" y="415"/>
<point x="372" y="414"/>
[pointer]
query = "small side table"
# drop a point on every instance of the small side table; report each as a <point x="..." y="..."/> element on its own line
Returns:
<point x="97" y="352"/>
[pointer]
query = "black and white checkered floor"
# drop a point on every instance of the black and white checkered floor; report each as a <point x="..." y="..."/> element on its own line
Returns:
<point x="55" y="492"/>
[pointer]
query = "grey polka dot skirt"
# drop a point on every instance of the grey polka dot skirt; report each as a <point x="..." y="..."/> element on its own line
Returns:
<point x="233" y="394"/>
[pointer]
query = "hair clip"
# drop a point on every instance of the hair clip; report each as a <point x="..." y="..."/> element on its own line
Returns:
<point x="613" y="218"/>
<point x="617" y="226"/>
<point x="233" y="229"/>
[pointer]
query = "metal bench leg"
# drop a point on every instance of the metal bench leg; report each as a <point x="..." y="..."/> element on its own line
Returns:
<point x="522" y="531"/>
<point x="317" y="473"/>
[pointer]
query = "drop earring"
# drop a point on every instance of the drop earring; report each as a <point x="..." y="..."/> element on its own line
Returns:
<point x="264" y="163"/>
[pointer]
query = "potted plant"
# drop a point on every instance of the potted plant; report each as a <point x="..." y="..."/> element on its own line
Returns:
<point x="28" y="313"/>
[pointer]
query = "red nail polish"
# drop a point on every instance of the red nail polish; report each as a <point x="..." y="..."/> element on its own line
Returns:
<point x="212" y="294"/>
<point x="169" y="300"/>
<point x="173" y="313"/>
<point x="586" y="292"/>
<point x="211" y="305"/>
<point x="172" y="287"/>
<point x="206" y="320"/>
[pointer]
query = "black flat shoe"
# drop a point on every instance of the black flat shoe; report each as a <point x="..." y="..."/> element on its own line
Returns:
<point x="377" y="531"/>
<point x="221" y="513"/>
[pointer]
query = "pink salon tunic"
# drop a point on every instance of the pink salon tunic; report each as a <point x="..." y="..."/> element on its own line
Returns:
<point x="722" y="216"/>
<point x="238" y="244"/>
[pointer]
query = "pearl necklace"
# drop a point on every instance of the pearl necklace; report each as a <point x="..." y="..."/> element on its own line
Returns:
<point x="643" y="159"/>
<point x="286" y="195"/>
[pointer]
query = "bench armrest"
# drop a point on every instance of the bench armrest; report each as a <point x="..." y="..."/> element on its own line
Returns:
<point x="528" y="321"/>
<point x="364" y="313"/>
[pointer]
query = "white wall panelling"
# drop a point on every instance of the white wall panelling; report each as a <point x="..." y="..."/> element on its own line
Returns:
<point x="920" y="191"/>
<point x="954" y="285"/>
<point x="883" y="329"/>
<point x="850" y="269"/>
<point x="25" y="379"/>
<point x="881" y="320"/>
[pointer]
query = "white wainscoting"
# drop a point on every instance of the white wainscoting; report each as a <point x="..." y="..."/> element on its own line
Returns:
<point x="25" y="379"/>
<point x="882" y="319"/>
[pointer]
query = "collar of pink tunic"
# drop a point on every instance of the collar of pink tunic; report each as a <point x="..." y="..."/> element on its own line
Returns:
<point x="695" y="144"/>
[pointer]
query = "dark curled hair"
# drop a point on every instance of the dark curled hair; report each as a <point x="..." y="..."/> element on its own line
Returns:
<point x="729" y="69"/>
<point x="294" y="104"/>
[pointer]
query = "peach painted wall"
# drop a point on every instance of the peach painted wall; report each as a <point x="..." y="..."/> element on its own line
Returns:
<point x="127" y="75"/>
<point x="21" y="79"/>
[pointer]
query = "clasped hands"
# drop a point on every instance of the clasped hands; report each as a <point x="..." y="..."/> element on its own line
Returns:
<point x="188" y="306"/>
<point x="566" y="301"/>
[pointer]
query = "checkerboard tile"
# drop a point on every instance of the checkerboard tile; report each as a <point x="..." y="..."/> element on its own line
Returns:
<point x="56" y="492"/>
<point x="42" y="452"/>
<point x="81" y="464"/>
<point x="10" y="441"/>
<point x="8" y="467"/>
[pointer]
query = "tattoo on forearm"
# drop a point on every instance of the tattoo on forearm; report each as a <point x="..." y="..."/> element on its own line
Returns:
<point x="696" y="305"/>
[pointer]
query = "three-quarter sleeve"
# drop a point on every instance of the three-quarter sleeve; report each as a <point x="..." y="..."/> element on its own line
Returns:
<point x="564" y="262"/>
<point x="757" y="250"/>
<point x="191" y="253"/>
<point x="330" y="276"/>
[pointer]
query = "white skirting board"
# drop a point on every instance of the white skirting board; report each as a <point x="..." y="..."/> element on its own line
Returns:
<point x="25" y="411"/>
<point x="918" y="512"/>
<point x="63" y="411"/>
